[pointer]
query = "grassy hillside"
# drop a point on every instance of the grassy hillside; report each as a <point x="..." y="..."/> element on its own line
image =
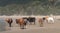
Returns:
<point x="29" y="7"/>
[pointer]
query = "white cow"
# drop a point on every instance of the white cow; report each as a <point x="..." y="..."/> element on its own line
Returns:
<point x="50" y="20"/>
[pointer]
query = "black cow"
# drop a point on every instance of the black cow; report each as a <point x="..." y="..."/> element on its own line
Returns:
<point x="30" y="19"/>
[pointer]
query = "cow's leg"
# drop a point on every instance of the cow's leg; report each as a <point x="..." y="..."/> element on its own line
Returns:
<point x="25" y="25"/>
<point x="41" y="24"/>
<point x="34" y="23"/>
<point x="47" y="21"/>
<point x="30" y="23"/>
<point x="9" y="24"/>
<point x="52" y="21"/>
<point x="22" y="26"/>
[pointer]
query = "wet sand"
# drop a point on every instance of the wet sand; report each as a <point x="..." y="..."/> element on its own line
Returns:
<point x="48" y="28"/>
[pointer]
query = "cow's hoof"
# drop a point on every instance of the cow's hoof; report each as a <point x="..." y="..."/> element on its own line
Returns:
<point x="22" y="28"/>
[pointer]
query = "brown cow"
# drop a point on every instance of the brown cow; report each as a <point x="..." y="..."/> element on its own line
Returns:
<point x="41" y="20"/>
<point x="9" y="21"/>
<point x="21" y="22"/>
<point x="46" y="17"/>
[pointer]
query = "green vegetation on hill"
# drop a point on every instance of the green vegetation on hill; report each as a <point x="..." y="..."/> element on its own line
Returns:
<point x="29" y="7"/>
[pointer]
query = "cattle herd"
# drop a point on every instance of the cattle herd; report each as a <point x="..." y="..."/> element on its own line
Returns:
<point x="22" y="22"/>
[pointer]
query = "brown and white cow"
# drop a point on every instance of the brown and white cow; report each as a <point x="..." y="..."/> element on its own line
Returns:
<point x="9" y="21"/>
<point x="21" y="22"/>
<point x="49" y="19"/>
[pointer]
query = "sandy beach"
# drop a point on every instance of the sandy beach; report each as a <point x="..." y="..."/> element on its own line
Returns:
<point x="48" y="28"/>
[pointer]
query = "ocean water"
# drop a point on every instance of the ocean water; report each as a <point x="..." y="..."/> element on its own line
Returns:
<point x="2" y="24"/>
